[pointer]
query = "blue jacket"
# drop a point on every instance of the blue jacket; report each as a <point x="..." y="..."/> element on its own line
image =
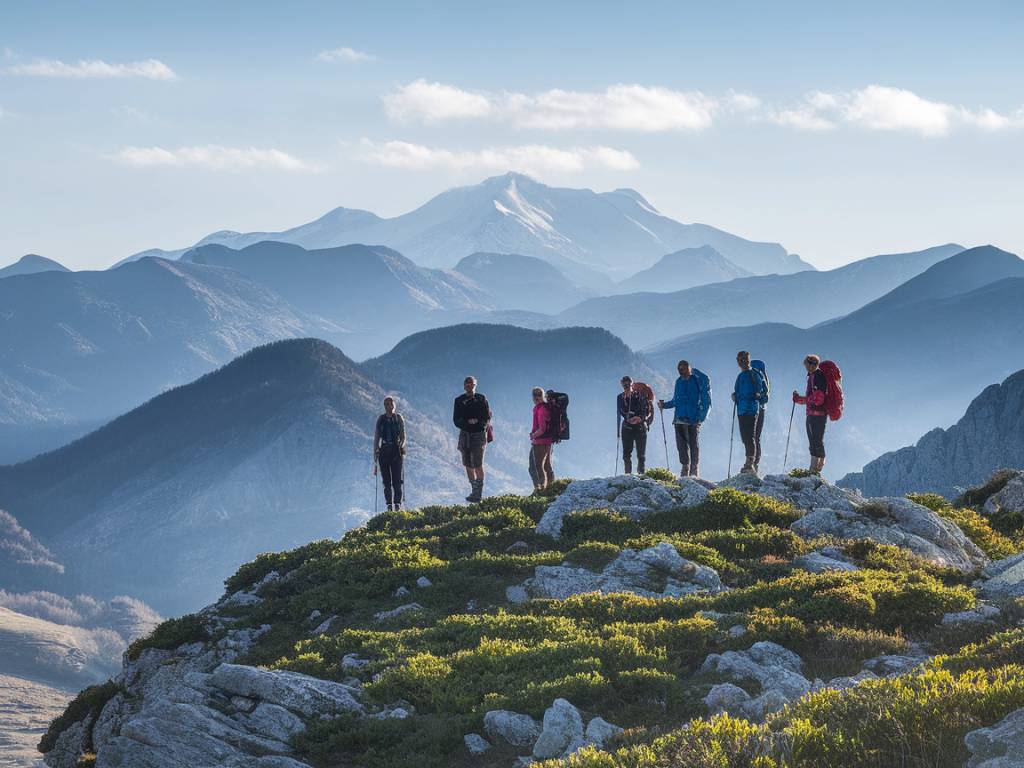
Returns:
<point x="692" y="398"/>
<point x="750" y="393"/>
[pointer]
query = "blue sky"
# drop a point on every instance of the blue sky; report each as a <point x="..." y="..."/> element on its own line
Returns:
<point x="840" y="132"/>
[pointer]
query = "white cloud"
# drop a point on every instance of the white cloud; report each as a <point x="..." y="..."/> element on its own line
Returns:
<point x="213" y="157"/>
<point x="434" y="102"/>
<point x="742" y="102"/>
<point x="151" y="69"/>
<point x="530" y="158"/>
<point x="884" y="108"/>
<point x="618" y="107"/>
<point x="344" y="54"/>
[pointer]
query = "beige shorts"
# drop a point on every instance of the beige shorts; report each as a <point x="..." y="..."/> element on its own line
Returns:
<point x="472" y="446"/>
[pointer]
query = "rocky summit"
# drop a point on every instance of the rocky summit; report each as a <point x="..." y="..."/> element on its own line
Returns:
<point x="627" y="621"/>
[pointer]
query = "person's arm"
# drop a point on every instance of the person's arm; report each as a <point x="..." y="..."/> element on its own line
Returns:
<point x="487" y="410"/>
<point x="376" y="438"/>
<point x="620" y="405"/>
<point x="457" y="416"/>
<point x="401" y="434"/>
<point x="676" y="397"/>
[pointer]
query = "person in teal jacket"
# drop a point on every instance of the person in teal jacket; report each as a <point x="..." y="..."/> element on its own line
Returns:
<point x="692" y="403"/>
<point x="750" y="395"/>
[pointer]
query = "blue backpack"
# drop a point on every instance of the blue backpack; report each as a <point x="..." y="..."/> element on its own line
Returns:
<point x="704" y="385"/>
<point x="758" y="365"/>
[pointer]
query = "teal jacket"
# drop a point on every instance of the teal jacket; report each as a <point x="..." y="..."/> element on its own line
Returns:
<point x="750" y="393"/>
<point x="691" y="399"/>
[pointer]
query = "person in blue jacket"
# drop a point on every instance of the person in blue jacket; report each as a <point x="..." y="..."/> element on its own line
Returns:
<point x="750" y="395"/>
<point x="692" y="402"/>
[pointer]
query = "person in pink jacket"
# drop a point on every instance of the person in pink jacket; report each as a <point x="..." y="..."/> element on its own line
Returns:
<point x="541" y="441"/>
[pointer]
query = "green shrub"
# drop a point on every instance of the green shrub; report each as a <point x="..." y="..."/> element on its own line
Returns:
<point x="282" y="562"/>
<point x="753" y="542"/>
<point x="933" y="501"/>
<point x="837" y="650"/>
<point x="598" y="525"/>
<point x="801" y="472"/>
<point x="661" y="474"/>
<point x="979" y="494"/>
<point x="724" y="508"/>
<point x="593" y="555"/>
<point x="978" y="529"/>
<point x="172" y="633"/>
<point x="87" y="704"/>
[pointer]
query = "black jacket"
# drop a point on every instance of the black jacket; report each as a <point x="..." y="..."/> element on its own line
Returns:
<point x="634" y="404"/>
<point x="471" y="407"/>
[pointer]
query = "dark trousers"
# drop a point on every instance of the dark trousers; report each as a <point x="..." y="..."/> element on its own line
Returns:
<point x="748" y="434"/>
<point x="634" y="437"/>
<point x="391" y="472"/>
<point x="816" y="435"/>
<point x="758" y="428"/>
<point x="541" y="471"/>
<point x="688" y="445"/>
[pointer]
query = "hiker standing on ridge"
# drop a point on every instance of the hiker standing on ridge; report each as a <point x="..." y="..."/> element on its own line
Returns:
<point x="541" y="441"/>
<point x="635" y="416"/>
<point x="389" y="452"/>
<point x="692" y="402"/>
<point x="817" y="415"/>
<point x="749" y="394"/>
<point x="472" y="415"/>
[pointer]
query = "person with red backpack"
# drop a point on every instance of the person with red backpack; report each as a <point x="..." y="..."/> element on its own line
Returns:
<point x="542" y="438"/>
<point x="636" y="412"/>
<point x="824" y="400"/>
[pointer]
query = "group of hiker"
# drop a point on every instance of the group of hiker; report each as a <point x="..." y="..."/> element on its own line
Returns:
<point x="635" y="404"/>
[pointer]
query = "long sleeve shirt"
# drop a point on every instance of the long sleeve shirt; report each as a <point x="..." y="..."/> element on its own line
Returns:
<point x="814" y="399"/>
<point x="541" y="423"/>
<point x="390" y="430"/>
<point x="471" y="407"/>
<point x="634" y="404"/>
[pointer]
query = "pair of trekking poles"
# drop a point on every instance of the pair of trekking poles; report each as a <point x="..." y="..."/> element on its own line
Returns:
<point x="732" y="433"/>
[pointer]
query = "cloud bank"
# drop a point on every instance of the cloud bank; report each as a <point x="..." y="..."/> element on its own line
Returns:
<point x="150" y="69"/>
<point x="213" y="157"/>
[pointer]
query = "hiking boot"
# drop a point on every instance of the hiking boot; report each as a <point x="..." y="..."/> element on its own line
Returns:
<point x="398" y="506"/>
<point x="684" y="471"/>
<point x="694" y="471"/>
<point x="748" y="467"/>
<point x="640" y="467"/>
<point x="478" y="492"/>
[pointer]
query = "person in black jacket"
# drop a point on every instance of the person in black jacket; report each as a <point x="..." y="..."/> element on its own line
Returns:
<point x="635" y="415"/>
<point x="389" y="452"/>
<point x="472" y="415"/>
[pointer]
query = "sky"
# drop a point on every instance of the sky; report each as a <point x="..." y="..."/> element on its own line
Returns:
<point x="840" y="132"/>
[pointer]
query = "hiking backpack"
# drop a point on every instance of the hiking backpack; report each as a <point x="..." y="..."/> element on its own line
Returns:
<point x="647" y="393"/>
<point x="758" y="365"/>
<point x="704" y="385"/>
<point x="834" y="393"/>
<point x="558" y="411"/>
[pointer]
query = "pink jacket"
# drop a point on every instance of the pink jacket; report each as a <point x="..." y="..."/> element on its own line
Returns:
<point x="817" y="386"/>
<point x="541" y="419"/>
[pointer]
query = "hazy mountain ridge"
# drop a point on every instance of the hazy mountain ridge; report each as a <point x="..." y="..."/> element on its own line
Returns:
<point x="683" y="269"/>
<point x="989" y="436"/>
<point x="30" y="264"/>
<point x="523" y="283"/>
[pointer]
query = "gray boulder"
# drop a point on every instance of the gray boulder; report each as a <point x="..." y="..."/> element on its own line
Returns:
<point x="1001" y="746"/>
<point x="71" y="743"/>
<point x="562" y="734"/>
<point x="768" y="664"/>
<point x="658" y="571"/>
<point x="824" y="559"/>
<point x="980" y="615"/>
<point x="600" y="732"/>
<point x="802" y="492"/>
<point x="511" y="727"/>
<point x="633" y="496"/>
<point x="1003" y="579"/>
<point x="300" y="693"/>
<point x="476" y="744"/>
<point x="1010" y="499"/>
<point x="726" y="697"/>
<point x="396" y="612"/>
<point x="900" y="522"/>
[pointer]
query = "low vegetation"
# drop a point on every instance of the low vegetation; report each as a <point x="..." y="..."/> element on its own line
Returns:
<point x="632" y="660"/>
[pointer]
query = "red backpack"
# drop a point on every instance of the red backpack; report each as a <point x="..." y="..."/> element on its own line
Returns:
<point x="647" y="393"/>
<point x="834" y="393"/>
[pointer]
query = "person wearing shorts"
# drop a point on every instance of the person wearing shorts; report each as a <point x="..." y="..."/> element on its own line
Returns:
<point x="472" y="416"/>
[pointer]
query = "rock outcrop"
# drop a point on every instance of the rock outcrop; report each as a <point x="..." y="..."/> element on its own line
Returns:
<point x="990" y="435"/>
<point x="630" y="495"/>
<point x="658" y="571"/>
<point x="776" y="670"/>
<point x="1003" y="579"/>
<point x="1001" y="746"/>
<point x="1008" y="500"/>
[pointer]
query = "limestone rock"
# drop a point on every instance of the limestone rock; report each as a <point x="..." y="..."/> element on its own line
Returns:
<point x="766" y="663"/>
<point x="563" y="731"/>
<point x="1010" y="499"/>
<point x="658" y="571"/>
<point x="395" y="612"/>
<point x="350" y="662"/>
<point x="825" y="559"/>
<point x="70" y="744"/>
<point x="808" y="493"/>
<point x="1000" y="746"/>
<point x="900" y="522"/>
<point x="511" y="727"/>
<point x="517" y="595"/>
<point x="983" y="613"/>
<point x="476" y="744"/>
<point x="633" y="496"/>
<point x="1004" y="578"/>
<point x="323" y="626"/>
<point x="300" y="693"/>
<point x="600" y="732"/>
<point x="726" y="697"/>
<point x="423" y="582"/>
<point x="272" y="721"/>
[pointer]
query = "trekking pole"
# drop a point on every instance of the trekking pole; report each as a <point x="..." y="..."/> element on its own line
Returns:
<point x="664" y="438"/>
<point x="375" y="484"/>
<point x="732" y="433"/>
<point x="785" y="456"/>
<point x="617" y="436"/>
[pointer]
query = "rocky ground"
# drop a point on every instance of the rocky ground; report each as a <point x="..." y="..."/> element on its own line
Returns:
<point x="615" y="622"/>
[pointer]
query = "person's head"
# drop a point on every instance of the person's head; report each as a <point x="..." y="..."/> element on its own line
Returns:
<point x="627" y="383"/>
<point x="743" y="359"/>
<point x="811" y="363"/>
<point x="538" y="395"/>
<point x="684" y="369"/>
<point x="389" y="405"/>
<point x="469" y="385"/>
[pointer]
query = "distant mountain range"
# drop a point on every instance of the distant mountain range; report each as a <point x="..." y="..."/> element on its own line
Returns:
<point x="681" y="270"/>
<point x="527" y="283"/>
<point x="30" y="264"/>
<point x="989" y="436"/>
<point x="589" y="236"/>
<point x="912" y="359"/>
<point x="802" y="299"/>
